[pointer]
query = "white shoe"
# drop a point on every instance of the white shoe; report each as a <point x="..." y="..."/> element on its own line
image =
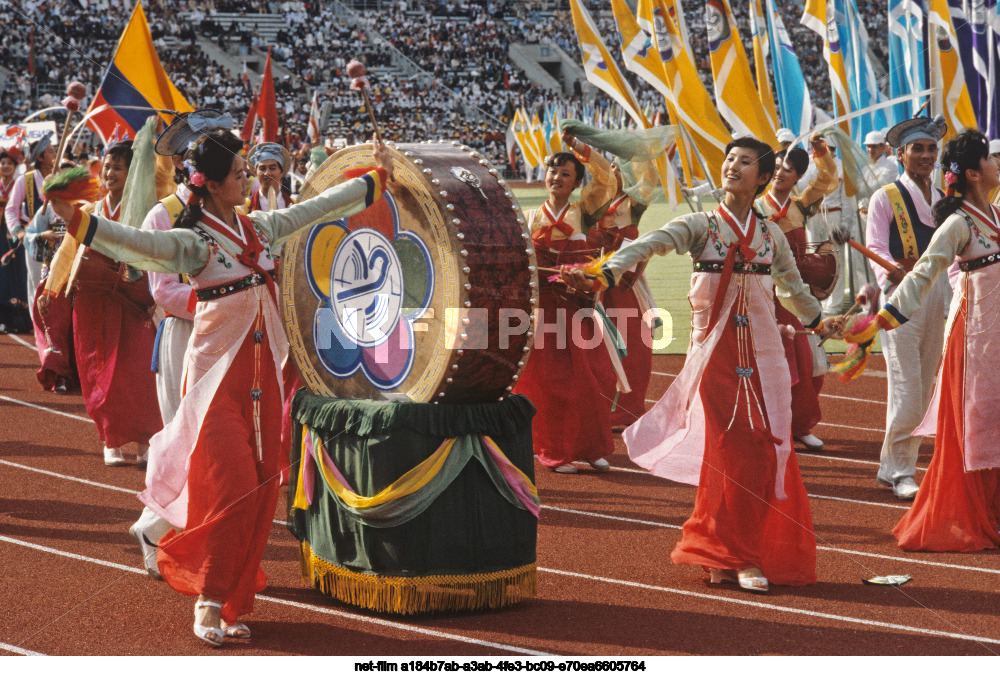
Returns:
<point x="142" y="459"/>
<point x="905" y="488"/>
<point x="811" y="442"/>
<point x="113" y="457"/>
<point x="565" y="468"/>
<point x="148" y="549"/>
<point x="210" y="634"/>
<point x="752" y="579"/>
<point x="600" y="464"/>
<point x="240" y="631"/>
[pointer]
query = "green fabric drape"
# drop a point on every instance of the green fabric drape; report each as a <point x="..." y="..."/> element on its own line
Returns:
<point x="469" y="527"/>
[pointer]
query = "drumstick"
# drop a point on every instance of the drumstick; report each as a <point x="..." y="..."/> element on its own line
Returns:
<point x="555" y="270"/>
<point x="842" y="236"/>
<point x="856" y="304"/>
<point x="357" y="72"/>
<point x="74" y="92"/>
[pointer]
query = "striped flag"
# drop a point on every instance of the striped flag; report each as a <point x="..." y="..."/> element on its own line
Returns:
<point x="971" y="20"/>
<point x="735" y="93"/>
<point x="643" y="59"/>
<point x="134" y="78"/>
<point x="862" y="85"/>
<point x="522" y="133"/>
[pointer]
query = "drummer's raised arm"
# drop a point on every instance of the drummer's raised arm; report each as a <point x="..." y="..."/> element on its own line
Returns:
<point x="339" y="201"/>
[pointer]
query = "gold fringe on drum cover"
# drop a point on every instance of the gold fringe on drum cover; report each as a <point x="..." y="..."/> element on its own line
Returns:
<point x="414" y="595"/>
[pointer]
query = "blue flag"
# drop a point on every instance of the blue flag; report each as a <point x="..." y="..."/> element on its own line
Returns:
<point x="794" y="103"/>
<point x="862" y="85"/>
<point x="907" y="66"/>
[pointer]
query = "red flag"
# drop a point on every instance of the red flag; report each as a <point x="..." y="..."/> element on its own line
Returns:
<point x="267" y="106"/>
<point x="247" y="133"/>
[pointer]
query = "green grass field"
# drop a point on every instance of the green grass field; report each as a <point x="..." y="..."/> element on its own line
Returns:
<point x="669" y="276"/>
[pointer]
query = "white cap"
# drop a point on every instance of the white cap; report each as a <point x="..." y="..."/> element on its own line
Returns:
<point x="994" y="146"/>
<point x="875" y="138"/>
<point x="786" y="135"/>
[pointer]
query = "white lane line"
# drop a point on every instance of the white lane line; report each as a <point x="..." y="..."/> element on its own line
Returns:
<point x="851" y="398"/>
<point x="668" y="526"/>
<point x="402" y="626"/>
<point x="869" y="373"/>
<point x="606" y="580"/>
<point x="18" y="650"/>
<point x="904" y="507"/>
<point x="777" y="608"/>
<point x="41" y="407"/>
<point x="23" y="342"/>
<point x="299" y="605"/>
<point x="87" y="482"/>
<point x="65" y="477"/>
<point x="846" y="426"/>
<point x="550" y="508"/>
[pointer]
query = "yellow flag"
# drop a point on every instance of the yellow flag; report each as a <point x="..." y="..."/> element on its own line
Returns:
<point x="696" y="111"/>
<point x="538" y="135"/>
<point x="524" y="141"/>
<point x="761" y="50"/>
<point x="600" y="68"/>
<point x="644" y="60"/>
<point x="946" y="73"/>
<point x="819" y="17"/>
<point x="735" y="92"/>
<point x="603" y="73"/>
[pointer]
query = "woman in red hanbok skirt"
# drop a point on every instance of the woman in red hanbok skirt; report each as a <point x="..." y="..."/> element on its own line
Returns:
<point x="725" y="423"/>
<point x="568" y="377"/>
<point x="219" y="480"/>
<point x="958" y="505"/>
<point x="113" y="335"/>
<point x="806" y="360"/>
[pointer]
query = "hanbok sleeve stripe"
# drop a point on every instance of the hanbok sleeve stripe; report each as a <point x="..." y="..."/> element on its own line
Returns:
<point x="82" y="227"/>
<point x="375" y="180"/>
<point x="893" y="316"/>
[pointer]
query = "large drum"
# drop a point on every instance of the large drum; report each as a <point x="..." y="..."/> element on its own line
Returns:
<point x="425" y="296"/>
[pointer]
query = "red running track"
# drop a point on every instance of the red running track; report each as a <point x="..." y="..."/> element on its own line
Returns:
<point x="71" y="581"/>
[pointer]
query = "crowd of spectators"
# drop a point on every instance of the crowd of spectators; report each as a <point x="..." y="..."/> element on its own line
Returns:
<point x="466" y="85"/>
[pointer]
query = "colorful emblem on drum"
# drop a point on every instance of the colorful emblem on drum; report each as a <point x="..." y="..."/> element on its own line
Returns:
<point x="373" y="280"/>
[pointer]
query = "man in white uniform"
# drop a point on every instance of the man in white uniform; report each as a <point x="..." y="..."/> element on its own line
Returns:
<point x="900" y="227"/>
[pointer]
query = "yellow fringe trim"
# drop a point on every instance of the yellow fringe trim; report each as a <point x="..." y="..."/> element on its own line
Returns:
<point x="415" y="595"/>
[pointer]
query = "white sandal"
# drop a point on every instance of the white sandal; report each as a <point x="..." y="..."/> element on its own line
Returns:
<point x="752" y="579"/>
<point x="236" y="630"/>
<point x="210" y="634"/>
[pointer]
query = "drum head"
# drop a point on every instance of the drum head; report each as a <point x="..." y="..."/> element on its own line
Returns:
<point x="424" y="296"/>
